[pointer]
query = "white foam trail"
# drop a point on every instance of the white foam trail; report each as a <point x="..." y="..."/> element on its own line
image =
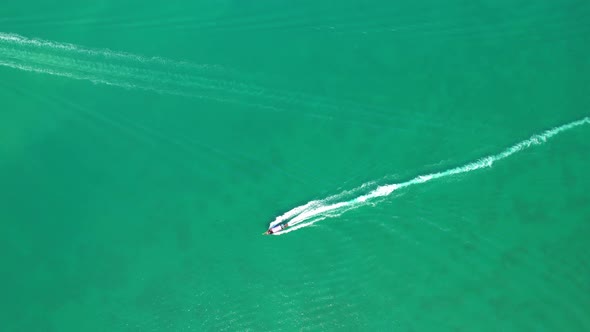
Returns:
<point x="13" y="38"/>
<point x="314" y="211"/>
<point x="309" y="205"/>
<point x="132" y="71"/>
<point x="66" y="74"/>
<point x="103" y="66"/>
<point x="289" y="214"/>
<point x="164" y="76"/>
<point x="135" y="74"/>
<point x="43" y="59"/>
<point x="300" y="225"/>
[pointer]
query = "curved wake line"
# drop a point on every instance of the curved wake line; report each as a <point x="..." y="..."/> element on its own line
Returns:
<point x="317" y="210"/>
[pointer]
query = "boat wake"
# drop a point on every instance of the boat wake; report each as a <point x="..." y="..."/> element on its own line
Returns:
<point x="128" y="71"/>
<point x="164" y="76"/>
<point x="317" y="210"/>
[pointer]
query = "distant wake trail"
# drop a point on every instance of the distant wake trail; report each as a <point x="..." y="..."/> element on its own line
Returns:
<point x="149" y="75"/>
<point x="121" y="69"/>
<point x="314" y="211"/>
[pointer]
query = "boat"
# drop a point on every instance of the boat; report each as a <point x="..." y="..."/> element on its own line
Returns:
<point x="276" y="229"/>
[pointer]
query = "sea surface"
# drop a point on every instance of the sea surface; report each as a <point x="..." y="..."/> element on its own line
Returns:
<point x="432" y="159"/>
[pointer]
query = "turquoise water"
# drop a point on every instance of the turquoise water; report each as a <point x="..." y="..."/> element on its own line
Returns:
<point x="144" y="148"/>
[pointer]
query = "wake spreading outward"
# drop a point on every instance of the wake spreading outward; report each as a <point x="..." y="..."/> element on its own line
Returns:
<point x="124" y="70"/>
<point x="314" y="211"/>
<point x="132" y="72"/>
<point x="214" y="83"/>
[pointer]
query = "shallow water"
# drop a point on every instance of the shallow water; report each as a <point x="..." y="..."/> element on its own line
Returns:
<point x="145" y="146"/>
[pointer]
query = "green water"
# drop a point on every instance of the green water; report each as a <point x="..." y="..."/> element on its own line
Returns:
<point x="133" y="189"/>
